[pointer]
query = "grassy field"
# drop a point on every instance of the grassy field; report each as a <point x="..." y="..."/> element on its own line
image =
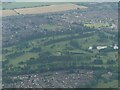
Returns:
<point x="97" y="25"/>
<point x="15" y="5"/>
<point x="102" y="84"/>
<point x="23" y="58"/>
<point x="51" y="27"/>
<point x="45" y="59"/>
<point x="59" y="47"/>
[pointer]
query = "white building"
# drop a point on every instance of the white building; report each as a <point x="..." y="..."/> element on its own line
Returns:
<point x="101" y="47"/>
<point x="115" y="47"/>
<point x="90" y="48"/>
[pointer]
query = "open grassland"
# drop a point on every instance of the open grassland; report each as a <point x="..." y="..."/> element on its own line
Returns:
<point x="58" y="48"/>
<point x="113" y="83"/>
<point x="44" y="9"/>
<point x="97" y="25"/>
<point x="16" y="5"/>
<point x="51" y="27"/>
<point x="23" y="58"/>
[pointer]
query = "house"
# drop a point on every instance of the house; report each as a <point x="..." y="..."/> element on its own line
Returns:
<point x="115" y="47"/>
<point x="90" y="48"/>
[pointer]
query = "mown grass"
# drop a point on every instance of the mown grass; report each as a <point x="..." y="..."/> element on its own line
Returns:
<point x="51" y="27"/>
<point x="23" y="58"/>
<point x="110" y="84"/>
<point x="97" y="25"/>
<point x="61" y="46"/>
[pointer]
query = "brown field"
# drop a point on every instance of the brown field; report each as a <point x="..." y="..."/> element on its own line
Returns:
<point x="47" y="9"/>
<point x="44" y="9"/>
<point x="8" y="12"/>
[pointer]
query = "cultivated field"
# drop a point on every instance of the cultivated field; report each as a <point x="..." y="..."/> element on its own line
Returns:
<point x="44" y="9"/>
<point x="8" y="12"/>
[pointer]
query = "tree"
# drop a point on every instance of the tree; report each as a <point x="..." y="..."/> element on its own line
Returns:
<point x="36" y="49"/>
<point x="74" y="44"/>
<point x="110" y="62"/>
<point x="98" y="61"/>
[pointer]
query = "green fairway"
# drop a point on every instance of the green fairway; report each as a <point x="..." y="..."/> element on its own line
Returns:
<point x="97" y="25"/>
<point x="51" y="27"/>
<point x="23" y="58"/>
<point x="113" y="83"/>
<point x="58" y="47"/>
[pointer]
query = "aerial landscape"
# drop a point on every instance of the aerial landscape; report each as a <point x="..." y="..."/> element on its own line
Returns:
<point x="59" y="45"/>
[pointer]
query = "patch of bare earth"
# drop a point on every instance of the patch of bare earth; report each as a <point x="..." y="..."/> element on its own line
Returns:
<point x="8" y="12"/>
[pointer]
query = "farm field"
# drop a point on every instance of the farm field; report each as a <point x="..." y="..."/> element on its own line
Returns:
<point x="8" y="12"/>
<point x="42" y="9"/>
<point x="15" y="5"/>
<point x="48" y="9"/>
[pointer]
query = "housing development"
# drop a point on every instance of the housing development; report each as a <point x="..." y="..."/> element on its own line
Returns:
<point x="60" y="45"/>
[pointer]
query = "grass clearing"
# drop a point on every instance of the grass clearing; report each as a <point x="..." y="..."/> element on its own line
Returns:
<point x="23" y="58"/>
<point x="113" y="83"/>
<point x="97" y="25"/>
<point x="15" y="5"/>
<point x="51" y="27"/>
